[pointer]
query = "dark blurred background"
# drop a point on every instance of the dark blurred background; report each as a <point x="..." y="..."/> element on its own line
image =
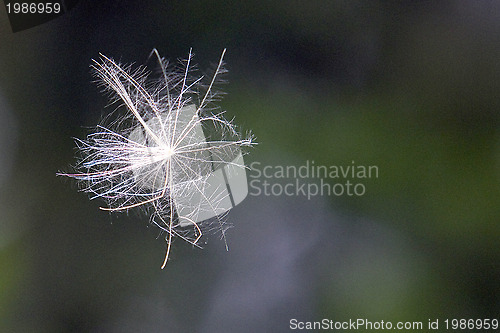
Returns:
<point x="409" y="86"/>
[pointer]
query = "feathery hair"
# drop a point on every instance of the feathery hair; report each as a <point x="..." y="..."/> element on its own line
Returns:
<point x="159" y="154"/>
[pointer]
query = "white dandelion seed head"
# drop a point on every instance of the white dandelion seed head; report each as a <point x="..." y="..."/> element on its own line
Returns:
<point x="170" y="152"/>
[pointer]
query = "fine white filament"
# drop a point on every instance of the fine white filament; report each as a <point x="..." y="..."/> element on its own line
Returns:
<point x="159" y="152"/>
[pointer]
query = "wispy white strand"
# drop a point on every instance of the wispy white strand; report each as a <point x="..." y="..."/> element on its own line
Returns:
<point x="151" y="153"/>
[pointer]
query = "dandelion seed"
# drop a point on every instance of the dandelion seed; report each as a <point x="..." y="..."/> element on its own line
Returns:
<point x="170" y="153"/>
